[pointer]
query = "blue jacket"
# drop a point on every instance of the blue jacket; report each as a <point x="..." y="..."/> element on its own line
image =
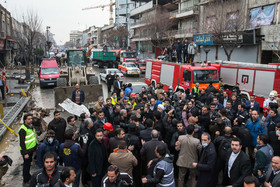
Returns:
<point x="44" y="148"/>
<point x="219" y="106"/>
<point x="248" y="105"/>
<point x="127" y="91"/>
<point x="255" y="129"/>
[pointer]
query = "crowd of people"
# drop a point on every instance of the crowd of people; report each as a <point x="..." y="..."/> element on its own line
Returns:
<point x="181" y="52"/>
<point x="159" y="138"/>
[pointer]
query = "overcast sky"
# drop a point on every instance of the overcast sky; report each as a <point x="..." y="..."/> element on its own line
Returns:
<point x="61" y="15"/>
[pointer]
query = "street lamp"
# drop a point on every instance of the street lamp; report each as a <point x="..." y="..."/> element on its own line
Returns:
<point x="206" y="52"/>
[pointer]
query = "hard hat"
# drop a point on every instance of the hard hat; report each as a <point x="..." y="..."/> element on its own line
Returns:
<point x="170" y="88"/>
<point x="132" y="95"/>
<point x="271" y="94"/>
<point x="108" y="126"/>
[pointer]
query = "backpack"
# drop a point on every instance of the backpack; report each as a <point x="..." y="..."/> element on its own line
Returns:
<point x="223" y="148"/>
<point x="245" y="136"/>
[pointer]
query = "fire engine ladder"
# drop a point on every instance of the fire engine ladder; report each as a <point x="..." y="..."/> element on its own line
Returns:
<point x="12" y="114"/>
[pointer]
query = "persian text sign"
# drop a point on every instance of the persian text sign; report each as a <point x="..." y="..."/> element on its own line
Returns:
<point x="203" y="39"/>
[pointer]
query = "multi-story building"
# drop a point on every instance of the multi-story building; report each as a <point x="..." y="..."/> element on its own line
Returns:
<point x="188" y="18"/>
<point x="248" y="29"/>
<point x="147" y="25"/>
<point x="6" y="37"/>
<point x="122" y="11"/>
<point x="74" y="35"/>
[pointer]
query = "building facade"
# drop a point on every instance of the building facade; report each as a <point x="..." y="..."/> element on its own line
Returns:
<point x="7" y="48"/>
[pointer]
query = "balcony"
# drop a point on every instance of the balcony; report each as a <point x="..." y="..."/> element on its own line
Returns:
<point x="122" y="12"/>
<point x="141" y="9"/>
<point x="187" y="12"/>
<point x="137" y="24"/>
<point x="186" y="33"/>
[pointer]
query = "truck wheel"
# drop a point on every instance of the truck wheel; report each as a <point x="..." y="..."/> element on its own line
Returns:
<point x="61" y="82"/>
<point x="100" y="65"/>
<point x="110" y="65"/>
<point x="93" y="80"/>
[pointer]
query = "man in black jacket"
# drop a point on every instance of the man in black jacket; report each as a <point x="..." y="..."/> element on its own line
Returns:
<point x="49" y="175"/>
<point x="274" y="139"/>
<point x="108" y="110"/>
<point x="58" y="125"/>
<point x="110" y="80"/>
<point x="117" y="86"/>
<point x="238" y="165"/>
<point x="204" y="119"/>
<point x="67" y="177"/>
<point x="116" y="178"/>
<point x="97" y="158"/>
<point x="207" y="162"/>
<point x="147" y="151"/>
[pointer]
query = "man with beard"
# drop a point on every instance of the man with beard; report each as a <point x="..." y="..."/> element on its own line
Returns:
<point x="28" y="143"/>
<point x="58" y="125"/>
<point x="204" y="119"/>
<point x="108" y="110"/>
<point x="101" y="120"/>
<point x="97" y="158"/>
<point x="238" y="165"/>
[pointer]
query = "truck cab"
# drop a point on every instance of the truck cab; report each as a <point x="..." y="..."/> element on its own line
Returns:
<point x="180" y="76"/>
<point x="128" y="56"/>
<point x="198" y="74"/>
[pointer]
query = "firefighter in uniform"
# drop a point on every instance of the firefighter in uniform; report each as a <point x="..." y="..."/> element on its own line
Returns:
<point x="28" y="143"/>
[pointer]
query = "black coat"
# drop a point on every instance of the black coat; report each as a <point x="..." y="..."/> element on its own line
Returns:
<point x="204" y="120"/>
<point x="133" y="139"/>
<point x="240" y="169"/>
<point x="110" y="79"/>
<point x="146" y="134"/>
<point x="58" y="126"/>
<point x="40" y="177"/>
<point x="148" y="149"/>
<point x="274" y="142"/>
<point x="206" y="166"/>
<point x="110" y="117"/>
<point x="116" y="86"/>
<point x="97" y="158"/>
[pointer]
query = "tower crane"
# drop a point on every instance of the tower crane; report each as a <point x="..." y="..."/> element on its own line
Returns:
<point x="111" y="4"/>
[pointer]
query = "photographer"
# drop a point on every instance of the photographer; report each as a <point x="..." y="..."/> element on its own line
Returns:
<point x="115" y="178"/>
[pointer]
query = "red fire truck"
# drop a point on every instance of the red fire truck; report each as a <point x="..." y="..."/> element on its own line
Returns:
<point x="180" y="75"/>
<point x="257" y="79"/>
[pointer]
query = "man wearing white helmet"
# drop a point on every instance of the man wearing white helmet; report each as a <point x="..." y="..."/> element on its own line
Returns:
<point x="270" y="99"/>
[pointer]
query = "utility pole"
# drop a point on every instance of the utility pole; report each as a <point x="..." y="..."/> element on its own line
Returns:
<point x="47" y="43"/>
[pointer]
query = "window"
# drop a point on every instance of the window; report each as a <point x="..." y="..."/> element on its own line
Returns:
<point x="210" y="23"/>
<point x="187" y="75"/>
<point x="231" y="20"/>
<point x="205" y="76"/>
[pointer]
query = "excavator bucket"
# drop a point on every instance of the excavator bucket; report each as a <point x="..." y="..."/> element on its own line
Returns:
<point x="92" y="92"/>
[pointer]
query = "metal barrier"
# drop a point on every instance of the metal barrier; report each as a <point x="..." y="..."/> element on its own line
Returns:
<point x="12" y="114"/>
